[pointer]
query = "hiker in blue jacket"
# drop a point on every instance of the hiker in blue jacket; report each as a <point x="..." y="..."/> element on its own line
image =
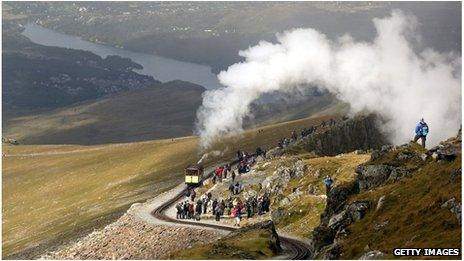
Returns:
<point x="422" y="129"/>
<point x="328" y="184"/>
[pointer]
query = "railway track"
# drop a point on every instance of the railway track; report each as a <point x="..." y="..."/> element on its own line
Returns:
<point x="299" y="250"/>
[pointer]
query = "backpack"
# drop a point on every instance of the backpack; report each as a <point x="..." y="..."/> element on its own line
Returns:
<point x="425" y="130"/>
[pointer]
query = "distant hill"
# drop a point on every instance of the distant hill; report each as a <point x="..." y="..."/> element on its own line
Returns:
<point x="164" y="111"/>
<point x="37" y="77"/>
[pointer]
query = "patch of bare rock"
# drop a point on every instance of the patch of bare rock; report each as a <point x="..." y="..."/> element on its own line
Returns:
<point x="131" y="238"/>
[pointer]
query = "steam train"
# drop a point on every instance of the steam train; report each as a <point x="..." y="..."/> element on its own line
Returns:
<point x="193" y="175"/>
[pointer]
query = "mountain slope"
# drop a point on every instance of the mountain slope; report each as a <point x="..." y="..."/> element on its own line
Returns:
<point x="404" y="197"/>
<point x="165" y="111"/>
<point x="55" y="192"/>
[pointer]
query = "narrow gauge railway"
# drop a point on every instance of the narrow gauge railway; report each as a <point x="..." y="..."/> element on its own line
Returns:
<point x="298" y="250"/>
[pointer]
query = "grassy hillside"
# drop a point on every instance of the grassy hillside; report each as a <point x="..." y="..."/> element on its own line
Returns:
<point x="412" y="215"/>
<point x="50" y="192"/>
<point x="164" y="111"/>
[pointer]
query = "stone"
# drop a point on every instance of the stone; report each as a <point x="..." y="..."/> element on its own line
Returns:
<point x="375" y="155"/>
<point x="313" y="190"/>
<point x="454" y="206"/>
<point x="404" y="155"/>
<point x="372" y="255"/>
<point x="380" y="203"/>
<point x="333" y="252"/>
<point x="357" y="210"/>
<point x="284" y="202"/>
<point x="381" y="225"/>
<point x="424" y="157"/>
<point x="398" y="173"/>
<point x="455" y="174"/>
<point x="444" y="151"/>
<point x="386" y="148"/>
<point x="299" y="169"/>
<point x="371" y="176"/>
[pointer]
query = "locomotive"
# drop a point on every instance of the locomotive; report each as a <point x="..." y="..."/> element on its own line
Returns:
<point x="193" y="175"/>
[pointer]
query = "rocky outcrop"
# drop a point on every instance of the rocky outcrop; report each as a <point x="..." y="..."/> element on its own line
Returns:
<point x="372" y="176"/>
<point x="268" y="226"/>
<point x="336" y="200"/>
<point x="444" y="151"/>
<point x="359" y="133"/>
<point x="275" y="183"/>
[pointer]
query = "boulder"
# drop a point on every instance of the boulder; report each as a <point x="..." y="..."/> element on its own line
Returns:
<point x="336" y="200"/>
<point x="444" y="151"/>
<point x="371" y="176"/>
<point x="357" y="210"/>
<point x="322" y="236"/>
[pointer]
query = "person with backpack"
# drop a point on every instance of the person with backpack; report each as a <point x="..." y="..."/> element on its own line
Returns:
<point x="179" y="211"/>
<point x="422" y="129"/>
<point x="185" y="210"/>
<point x="328" y="184"/>
<point x="198" y="209"/>
<point x="214" y="205"/>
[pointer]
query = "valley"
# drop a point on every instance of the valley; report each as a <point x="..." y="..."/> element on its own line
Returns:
<point x="230" y="130"/>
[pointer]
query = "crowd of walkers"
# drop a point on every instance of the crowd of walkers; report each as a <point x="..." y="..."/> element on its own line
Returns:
<point x="234" y="207"/>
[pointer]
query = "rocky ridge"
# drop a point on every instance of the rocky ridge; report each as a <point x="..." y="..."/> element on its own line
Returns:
<point x="388" y="165"/>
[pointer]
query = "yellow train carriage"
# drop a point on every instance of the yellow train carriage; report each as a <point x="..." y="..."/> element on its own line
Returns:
<point x="193" y="175"/>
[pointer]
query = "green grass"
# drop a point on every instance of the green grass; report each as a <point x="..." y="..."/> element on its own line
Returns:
<point x="50" y="192"/>
<point x="412" y="210"/>
<point x="252" y="244"/>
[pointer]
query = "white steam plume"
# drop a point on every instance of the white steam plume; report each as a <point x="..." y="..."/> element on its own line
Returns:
<point x="385" y="76"/>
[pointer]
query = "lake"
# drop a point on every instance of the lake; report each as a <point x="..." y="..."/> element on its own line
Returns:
<point x="161" y="68"/>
